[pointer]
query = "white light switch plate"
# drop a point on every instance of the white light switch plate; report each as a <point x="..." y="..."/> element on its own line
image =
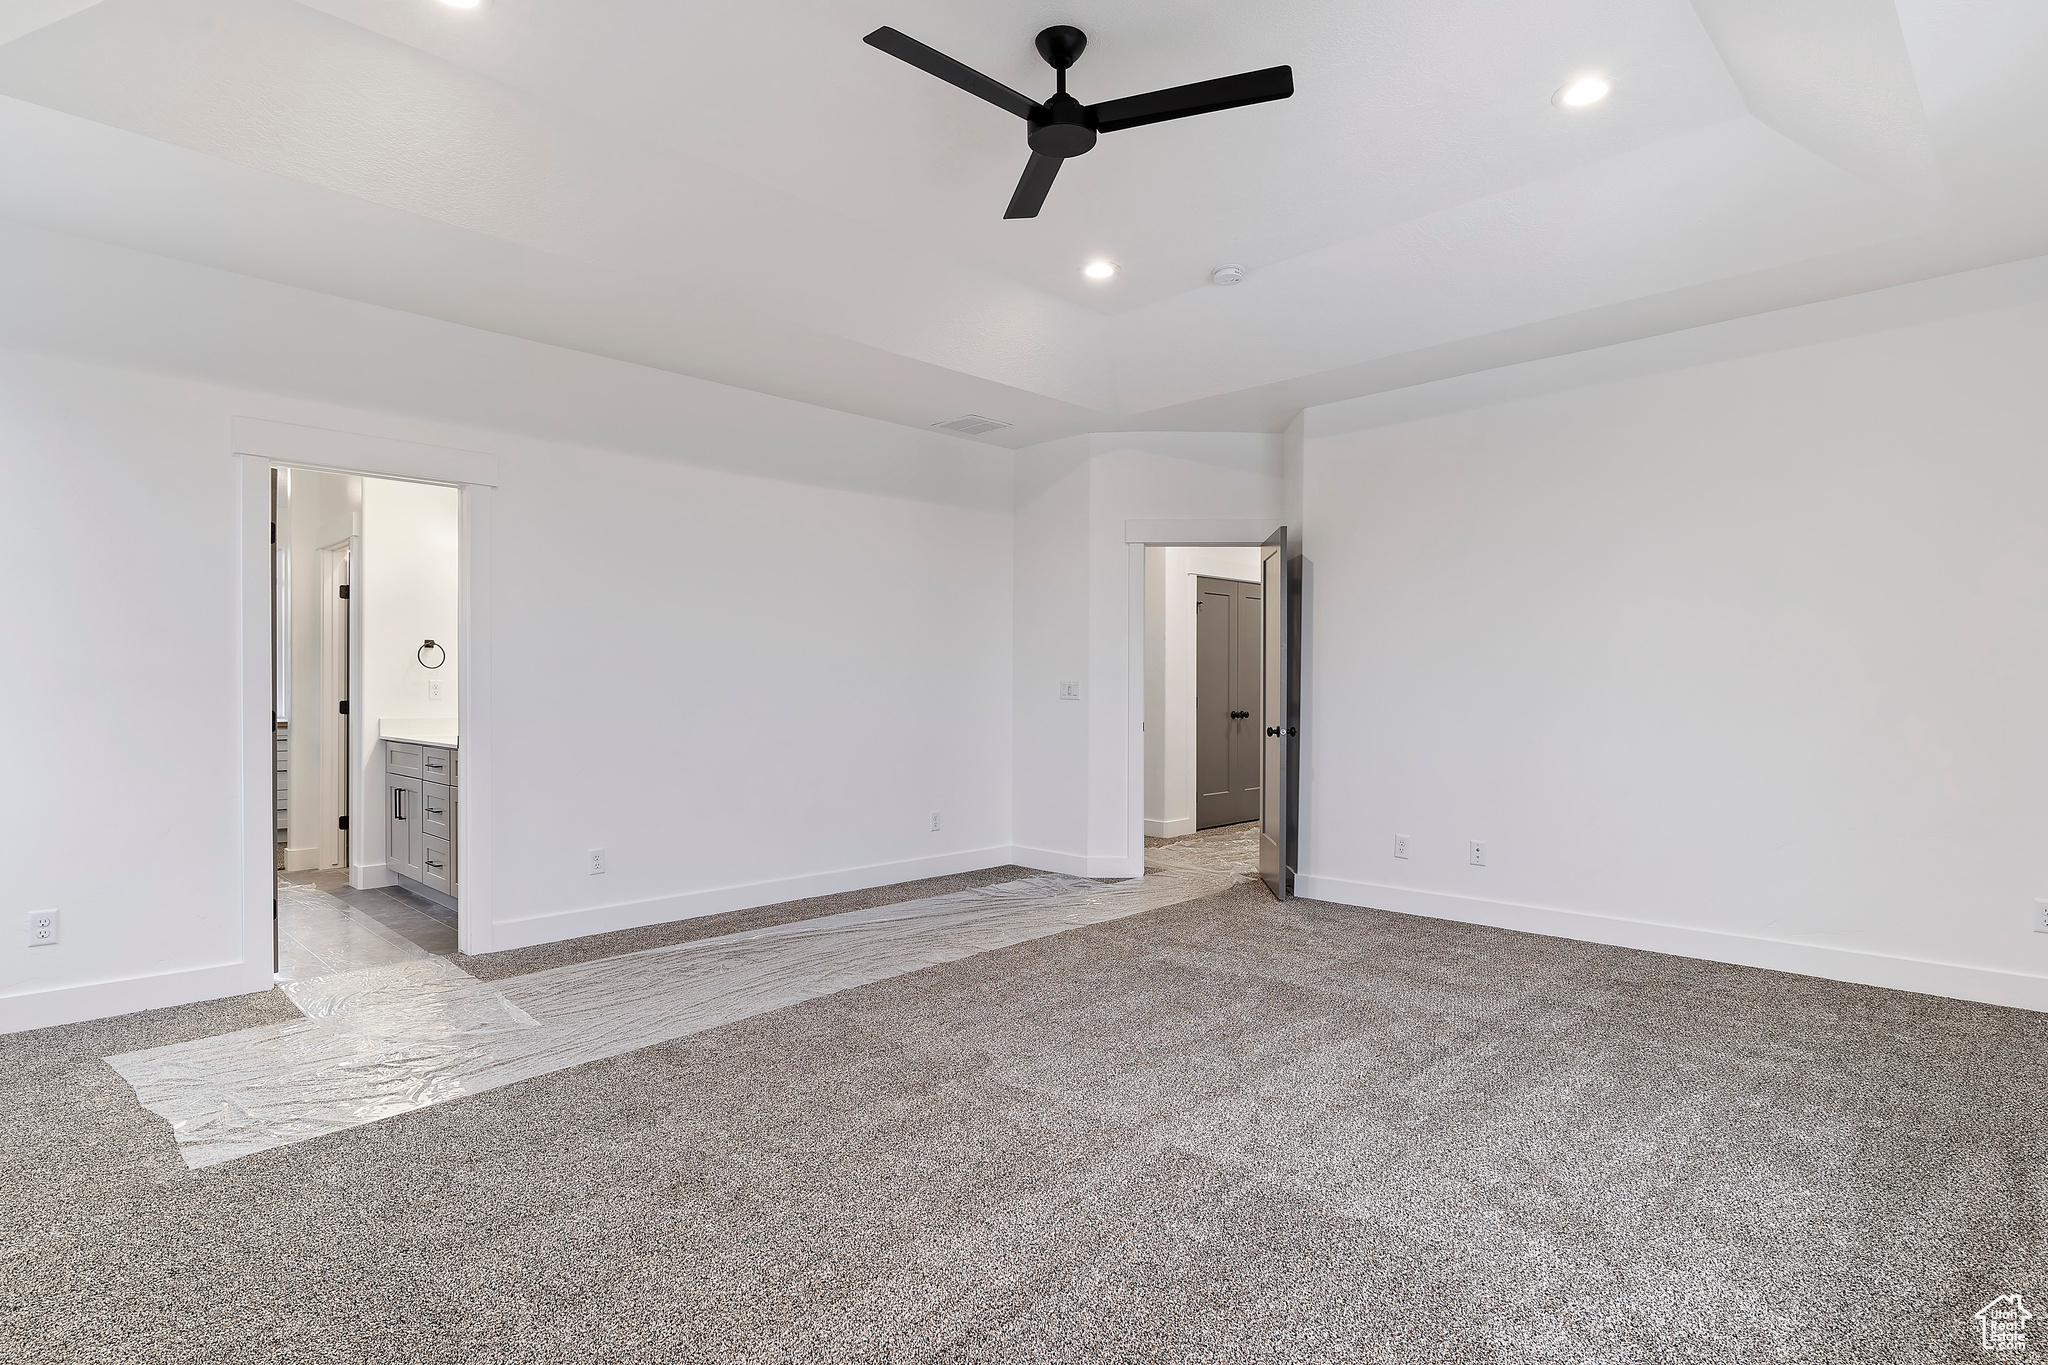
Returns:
<point x="1070" y="691"/>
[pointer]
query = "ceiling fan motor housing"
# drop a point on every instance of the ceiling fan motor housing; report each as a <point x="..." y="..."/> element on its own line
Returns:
<point x="1064" y="127"/>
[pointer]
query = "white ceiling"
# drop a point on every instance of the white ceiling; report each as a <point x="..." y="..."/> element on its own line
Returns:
<point x="749" y="193"/>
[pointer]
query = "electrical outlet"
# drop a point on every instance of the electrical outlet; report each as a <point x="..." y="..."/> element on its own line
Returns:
<point x="2041" y="917"/>
<point x="433" y="689"/>
<point x="1400" y="845"/>
<point x="935" y="822"/>
<point x="1070" y="691"/>
<point x="1475" y="853"/>
<point x="596" y="862"/>
<point x="42" y="928"/>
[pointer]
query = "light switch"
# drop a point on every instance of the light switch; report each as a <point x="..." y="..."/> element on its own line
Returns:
<point x="1070" y="691"/>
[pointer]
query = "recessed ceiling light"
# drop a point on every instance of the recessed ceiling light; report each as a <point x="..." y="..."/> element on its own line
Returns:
<point x="1099" y="270"/>
<point x="1582" y="91"/>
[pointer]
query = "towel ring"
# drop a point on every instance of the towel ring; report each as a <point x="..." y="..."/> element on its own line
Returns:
<point x="421" y="655"/>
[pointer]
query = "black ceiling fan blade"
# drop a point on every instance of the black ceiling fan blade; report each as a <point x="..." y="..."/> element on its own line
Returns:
<point x="1203" y="97"/>
<point x="930" y="59"/>
<point x="1032" y="186"/>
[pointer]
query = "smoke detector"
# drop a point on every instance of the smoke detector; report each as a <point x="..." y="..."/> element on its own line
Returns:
<point x="1227" y="274"/>
<point x="970" y="425"/>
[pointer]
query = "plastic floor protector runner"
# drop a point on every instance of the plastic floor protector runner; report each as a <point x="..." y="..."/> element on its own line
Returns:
<point x="390" y="1039"/>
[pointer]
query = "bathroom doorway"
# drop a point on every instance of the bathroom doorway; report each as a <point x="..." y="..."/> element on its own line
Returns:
<point x="367" y="718"/>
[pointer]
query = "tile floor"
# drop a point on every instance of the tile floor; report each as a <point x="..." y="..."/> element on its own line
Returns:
<point x="327" y="926"/>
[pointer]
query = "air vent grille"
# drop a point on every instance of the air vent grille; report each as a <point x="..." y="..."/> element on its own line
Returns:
<point x="971" y="425"/>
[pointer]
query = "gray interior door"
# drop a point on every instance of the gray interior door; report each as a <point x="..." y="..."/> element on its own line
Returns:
<point x="1279" y="715"/>
<point x="1229" y="638"/>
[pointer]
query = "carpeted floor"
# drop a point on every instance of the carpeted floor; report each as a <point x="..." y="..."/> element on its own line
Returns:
<point x="1232" y="1130"/>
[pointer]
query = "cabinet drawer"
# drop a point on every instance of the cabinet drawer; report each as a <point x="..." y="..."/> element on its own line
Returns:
<point x="437" y="863"/>
<point x="402" y="760"/>
<point x="437" y="810"/>
<point x="436" y="765"/>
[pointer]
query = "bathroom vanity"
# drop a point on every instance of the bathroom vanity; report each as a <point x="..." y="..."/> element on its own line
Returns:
<point x="422" y="784"/>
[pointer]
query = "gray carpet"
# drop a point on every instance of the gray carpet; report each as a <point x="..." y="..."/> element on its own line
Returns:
<point x="1230" y="1130"/>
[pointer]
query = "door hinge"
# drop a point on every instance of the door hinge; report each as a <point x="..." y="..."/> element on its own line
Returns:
<point x="344" y="822"/>
<point x="344" y="708"/>
<point x="344" y="590"/>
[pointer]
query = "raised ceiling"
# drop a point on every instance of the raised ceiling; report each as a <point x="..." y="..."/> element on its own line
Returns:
<point x="750" y="194"/>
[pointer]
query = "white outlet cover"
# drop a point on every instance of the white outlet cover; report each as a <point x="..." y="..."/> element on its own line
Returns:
<point x="1070" y="691"/>
<point x="1476" y="853"/>
<point x="42" y="928"/>
<point x="2041" y="917"/>
<point x="935" y="822"/>
<point x="1400" y="845"/>
<point x="596" y="862"/>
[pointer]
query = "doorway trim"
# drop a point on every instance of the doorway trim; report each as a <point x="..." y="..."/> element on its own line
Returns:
<point x="337" y="743"/>
<point x="1139" y="534"/>
<point x="258" y="444"/>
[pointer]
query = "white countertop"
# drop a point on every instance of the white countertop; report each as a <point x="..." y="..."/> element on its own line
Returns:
<point x="439" y="730"/>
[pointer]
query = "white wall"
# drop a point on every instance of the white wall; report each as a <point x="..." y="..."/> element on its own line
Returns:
<point x="1743" y="661"/>
<point x="746" y="645"/>
<point x="322" y="511"/>
<point x="405" y="595"/>
<point x="1051" y="735"/>
<point x="1080" y="616"/>
<point x="1170" y="720"/>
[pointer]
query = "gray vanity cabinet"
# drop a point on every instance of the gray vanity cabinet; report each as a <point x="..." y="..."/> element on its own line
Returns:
<point x="421" y="788"/>
<point x="402" y="816"/>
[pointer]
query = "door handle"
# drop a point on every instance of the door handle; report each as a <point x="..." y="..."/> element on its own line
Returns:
<point x="1240" y="715"/>
<point x="1273" y="730"/>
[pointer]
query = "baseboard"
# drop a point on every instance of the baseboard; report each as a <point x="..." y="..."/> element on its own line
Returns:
<point x="605" y="919"/>
<point x="1923" y="976"/>
<point x="1045" y="860"/>
<point x="369" y="876"/>
<point x="301" y="859"/>
<point x="425" y="892"/>
<point x="1077" y="864"/>
<point x="1170" y="829"/>
<point x="129" y="994"/>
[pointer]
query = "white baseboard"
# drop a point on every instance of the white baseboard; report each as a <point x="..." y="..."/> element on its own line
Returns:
<point x="129" y="994"/>
<point x="1170" y="829"/>
<point x="301" y="859"/>
<point x="369" y="876"/>
<point x="1925" y="976"/>
<point x="1077" y="864"/>
<point x="1045" y="860"/>
<point x="604" y="919"/>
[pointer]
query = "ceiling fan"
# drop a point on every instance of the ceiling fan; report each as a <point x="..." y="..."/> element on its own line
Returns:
<point x="1064" y="127"/>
